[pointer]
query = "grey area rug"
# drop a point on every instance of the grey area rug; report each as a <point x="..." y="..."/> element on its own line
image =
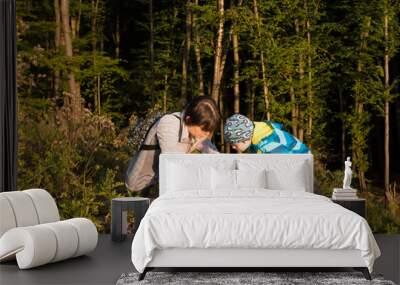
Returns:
<point x="232" y="278"/>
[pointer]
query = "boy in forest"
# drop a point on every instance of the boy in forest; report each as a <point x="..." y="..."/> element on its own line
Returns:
<point x="260" y="137"/>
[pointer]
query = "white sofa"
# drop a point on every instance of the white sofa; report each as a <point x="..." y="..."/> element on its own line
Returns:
<point x="31" y="231"/>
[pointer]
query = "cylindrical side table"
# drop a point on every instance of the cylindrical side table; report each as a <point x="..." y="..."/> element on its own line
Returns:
<point x="119" y="215"/>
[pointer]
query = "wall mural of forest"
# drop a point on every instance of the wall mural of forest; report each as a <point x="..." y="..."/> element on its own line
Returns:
<point x="89" y="70"/>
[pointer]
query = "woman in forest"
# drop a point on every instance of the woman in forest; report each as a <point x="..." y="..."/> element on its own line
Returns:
<point x="189" y="131"/>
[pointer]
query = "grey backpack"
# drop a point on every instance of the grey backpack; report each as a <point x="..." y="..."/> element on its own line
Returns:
<point x="143" y="167"/>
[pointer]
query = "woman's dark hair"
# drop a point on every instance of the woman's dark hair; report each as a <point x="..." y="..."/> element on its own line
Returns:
<point x="202" y="111"/>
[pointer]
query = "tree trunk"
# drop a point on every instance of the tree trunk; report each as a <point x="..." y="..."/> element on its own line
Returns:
<point x="78" y="22"/>
<point x="225" y="54"/>
<point x="236" y="73"/>
<point x="197" y="53"/>
<point x="294" y="111"/>
<point x="151" y="46"/>
<point x="299" y="112"/>
<point x="221" y="109"/>
<point x="72" y="99"/>
<point x="262" y="60"/>
<point x="300" y="131"/>
<point x="343" y="130"/>
<point x="96" y="80"/>
<point x="57" y="42"/>
<point x="218" y="52"/>
<point x="359" y="108"/>
<point x="386" y="109"/>
<point x="169" y="75"/>
<point x="95" y="9"/>
<point x="236" y="68"/>
<point x="309" y="89"/>
<point x="117" y="37"/>
<point x="98" y="95"/>
<point x="165" y="94"/>
<point x="74" y="26"/>
<point x="100" y="31"/>
<point x="251" y="95"/>
<point x="186" y="53"/>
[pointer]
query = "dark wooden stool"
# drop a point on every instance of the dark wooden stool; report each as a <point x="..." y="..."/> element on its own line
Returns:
<point x="119" y="215"/>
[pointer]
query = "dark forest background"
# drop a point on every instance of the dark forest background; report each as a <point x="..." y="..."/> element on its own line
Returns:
<point x="90" y="70"/>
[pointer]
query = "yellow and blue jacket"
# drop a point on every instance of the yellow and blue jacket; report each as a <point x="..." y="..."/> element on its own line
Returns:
<point x="269" y="137"/>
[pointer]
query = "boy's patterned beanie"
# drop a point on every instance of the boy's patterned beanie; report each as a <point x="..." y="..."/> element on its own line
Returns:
<point x="238" y="128"/>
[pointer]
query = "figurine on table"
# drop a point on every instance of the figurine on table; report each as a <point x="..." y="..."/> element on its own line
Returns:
<point x="347" y="174"/>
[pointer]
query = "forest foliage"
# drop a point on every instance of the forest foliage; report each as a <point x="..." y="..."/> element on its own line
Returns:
<point x="89" y="70"/>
